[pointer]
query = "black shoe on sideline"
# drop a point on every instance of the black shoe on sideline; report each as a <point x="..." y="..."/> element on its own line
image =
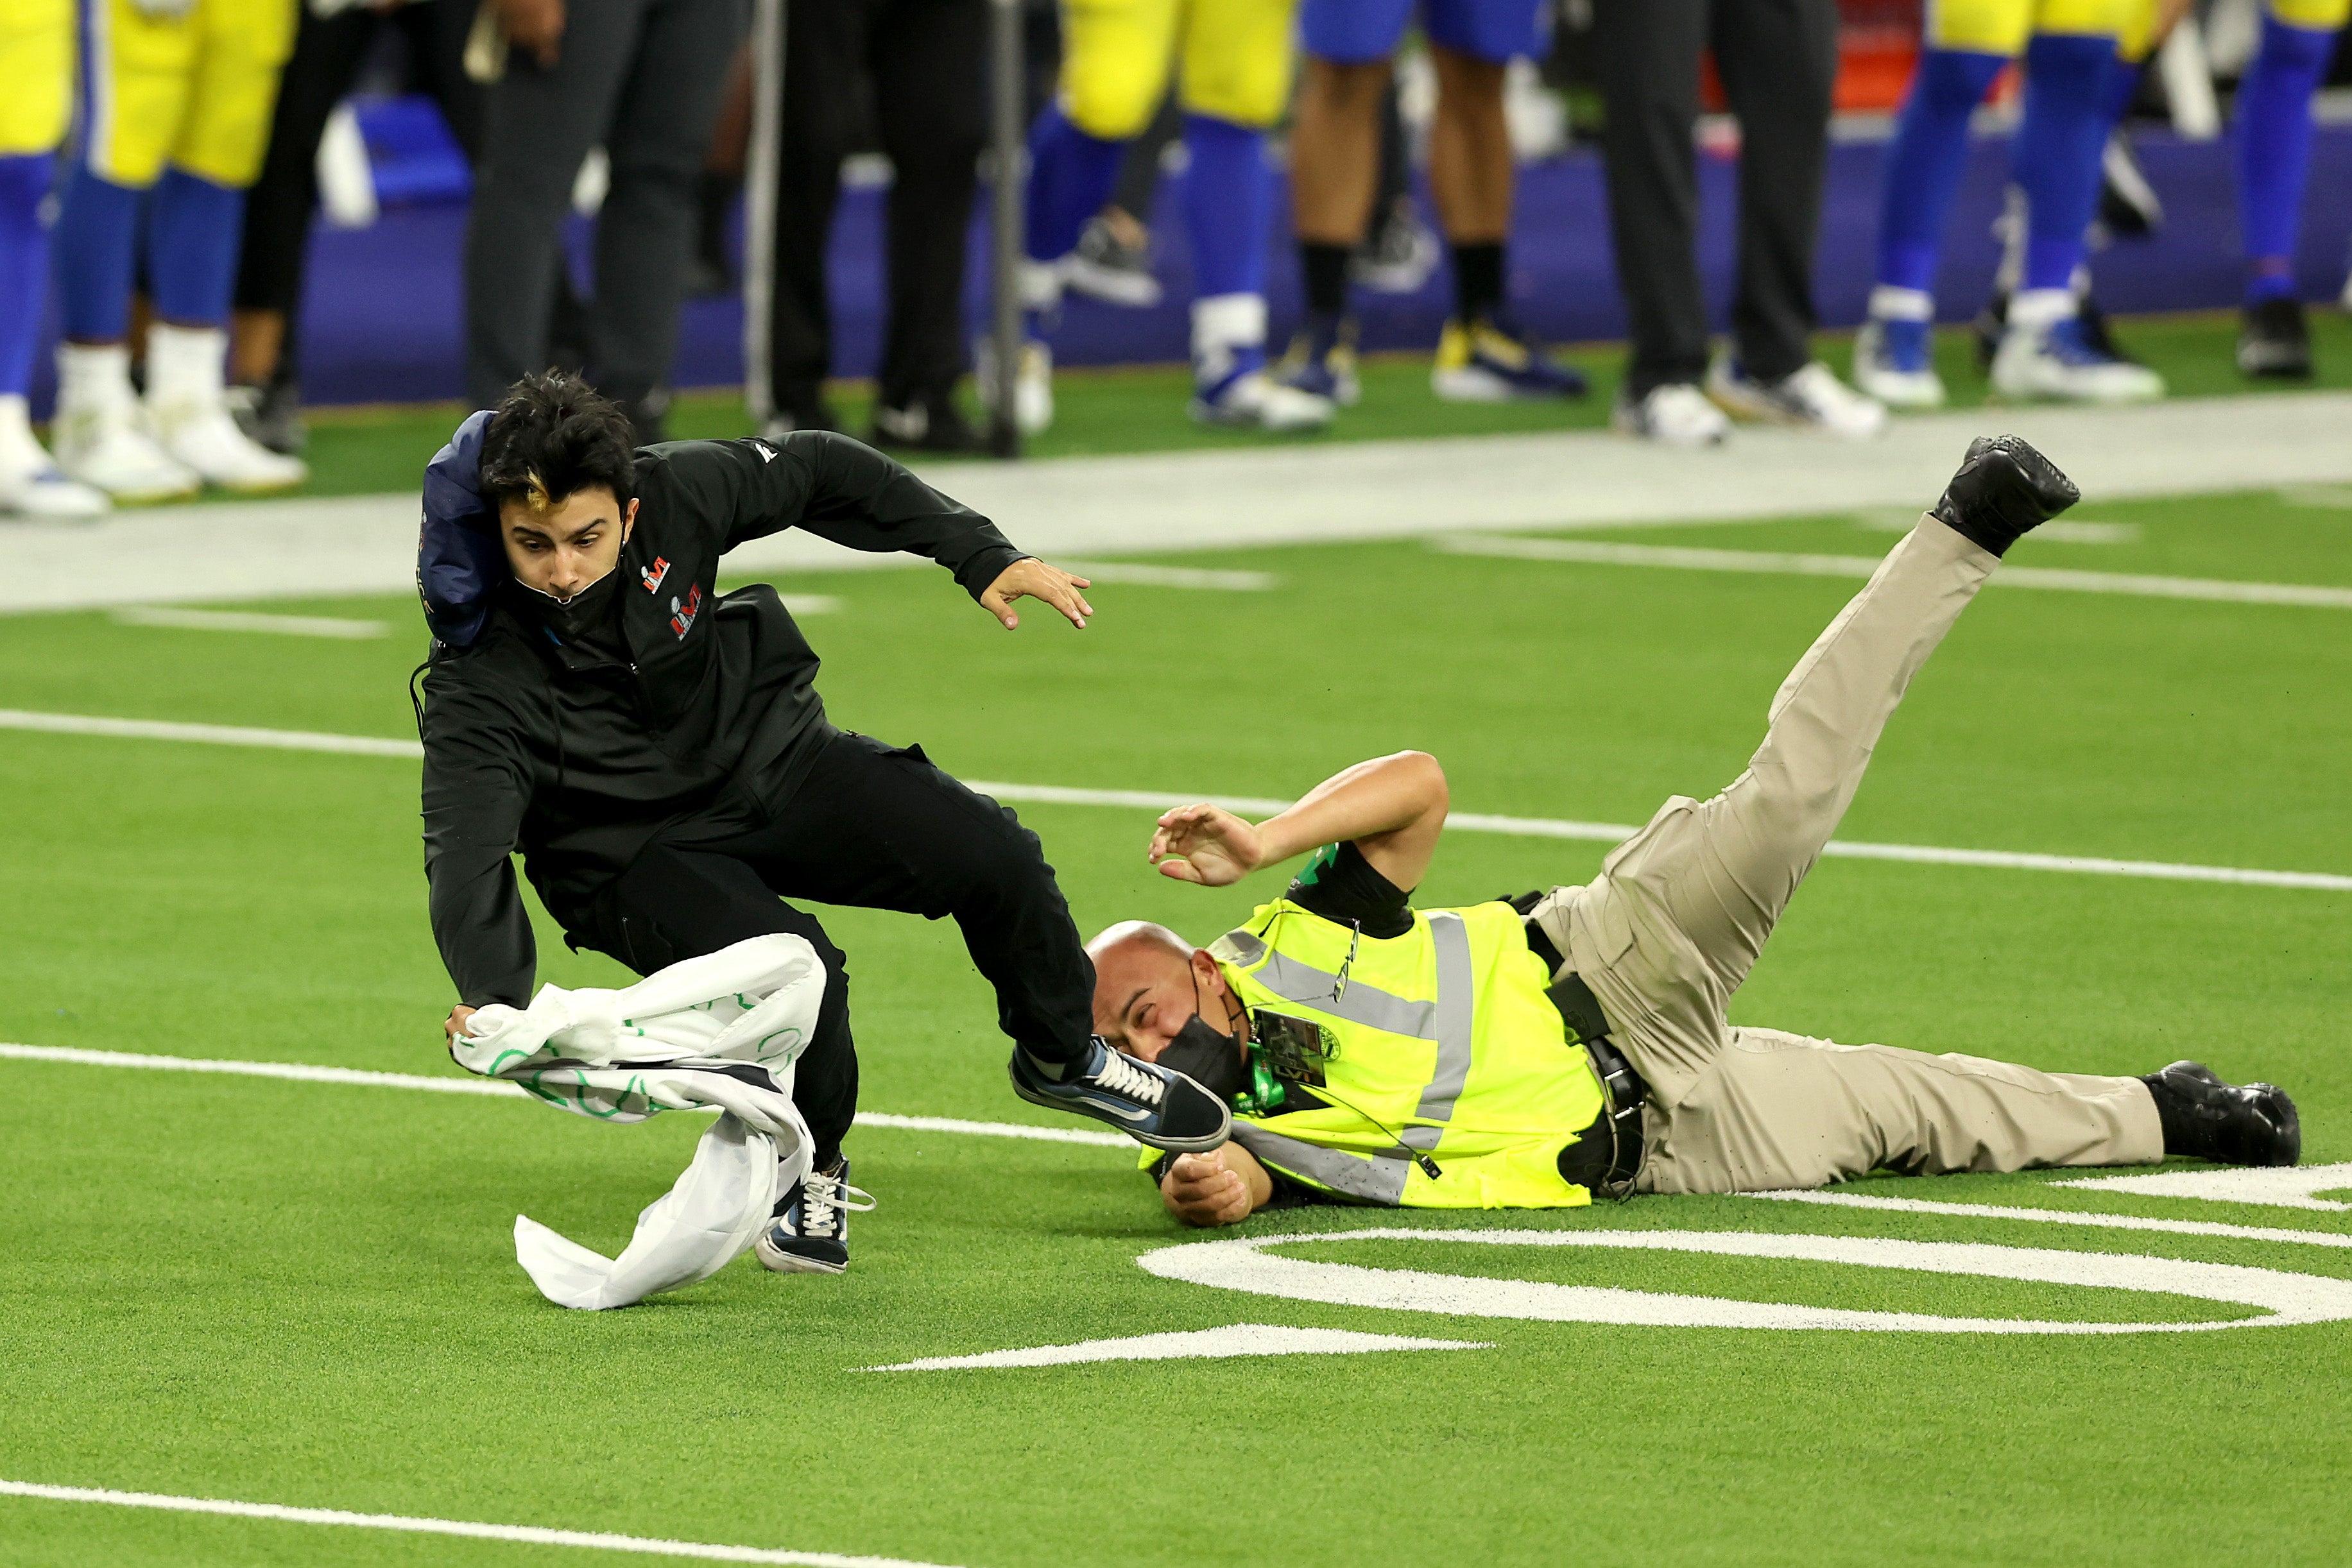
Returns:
<point x="1151" y="1103"/>
<point x="928" y="423"/>
<point x="2004" y="489"/>
<point x="2211" y="1120"/>
<point x="2275" y="342"/>
<point x="811" y="1233"/>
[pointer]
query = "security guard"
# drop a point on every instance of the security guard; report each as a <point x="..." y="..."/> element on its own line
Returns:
<point x="1525" y="1054"/>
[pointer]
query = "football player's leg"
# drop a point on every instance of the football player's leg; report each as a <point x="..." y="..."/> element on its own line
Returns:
<point x="196" y="221"/>
<point x="1777" y="1111"/>
<point x="2045" y="350"/>
<point x="136" y="75"/>
<point x="1335" y="158"/>
<point x="37" y="62"/>
<point x="1233" y="83"/>
<point x="2273" y="161"/>
<point x="1965" y="47"/>
<point x="1486" y="354"/>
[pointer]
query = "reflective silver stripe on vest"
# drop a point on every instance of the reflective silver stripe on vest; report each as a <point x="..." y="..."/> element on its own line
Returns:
<point x="1286" y="976"/>
<point x="1456" y="989"/>
<point x="1377" y="1180"/>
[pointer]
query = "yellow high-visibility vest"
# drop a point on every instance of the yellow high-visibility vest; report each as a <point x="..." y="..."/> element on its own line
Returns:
<point x="1447" y="1048"/>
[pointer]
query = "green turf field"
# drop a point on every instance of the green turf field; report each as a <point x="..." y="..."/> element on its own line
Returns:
<point x="362" y="450"/>
<point x="306" y="1294"/>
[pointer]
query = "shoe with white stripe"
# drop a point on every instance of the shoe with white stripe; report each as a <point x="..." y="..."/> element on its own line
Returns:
<point x="811" y="1233"/>
<point x="1151" y="1103"/>
<point x="2047" y="353"/>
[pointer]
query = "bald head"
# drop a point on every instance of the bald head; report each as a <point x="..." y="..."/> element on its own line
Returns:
<point x="1149" y="982"/>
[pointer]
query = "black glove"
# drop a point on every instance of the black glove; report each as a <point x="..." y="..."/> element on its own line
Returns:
<point x="2004" y="488"/>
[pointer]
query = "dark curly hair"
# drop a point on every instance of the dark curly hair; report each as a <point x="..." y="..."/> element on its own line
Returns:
<point x="552" y="435"/>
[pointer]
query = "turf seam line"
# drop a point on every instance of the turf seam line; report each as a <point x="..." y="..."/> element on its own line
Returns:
<point x="532" y="1534"/>
<point x="1162" y="800"/>
<point x="307" y="1072"/>
<point x="1595" y="552"/>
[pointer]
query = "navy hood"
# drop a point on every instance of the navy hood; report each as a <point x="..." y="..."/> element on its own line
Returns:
<point x="458" y="557"/>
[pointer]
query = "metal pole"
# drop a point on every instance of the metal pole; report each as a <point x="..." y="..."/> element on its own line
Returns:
<point x="1010" y="157"/>
<point x="760" y="203"/>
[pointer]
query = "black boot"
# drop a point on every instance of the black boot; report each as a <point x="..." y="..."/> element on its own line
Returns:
<point x="2004" y="488"/>
<point x="2211" y="1120"/>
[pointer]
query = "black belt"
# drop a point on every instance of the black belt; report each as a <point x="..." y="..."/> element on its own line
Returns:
<point x="1606" y="1155"/>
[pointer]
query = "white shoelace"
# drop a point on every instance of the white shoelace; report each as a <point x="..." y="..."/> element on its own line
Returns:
<point x="1121" y="1076"/>
<point x="822" y="1200"/>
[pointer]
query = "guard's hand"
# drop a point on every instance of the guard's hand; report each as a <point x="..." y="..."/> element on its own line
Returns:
<point x="535" y="25"/>
<point x="1206" y="844"/>
<point x="455" y="1026"/>
<point x="1200" y="1190"/>
<point x="1035" y="579"/>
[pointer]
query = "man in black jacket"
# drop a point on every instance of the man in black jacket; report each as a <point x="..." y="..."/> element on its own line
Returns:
<point x="660" y="757"/>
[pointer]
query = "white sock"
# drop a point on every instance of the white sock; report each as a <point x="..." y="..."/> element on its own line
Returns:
<point x="1888" y="303"/>
<point x="94" y="375"/>
<point x="1222" y="323"/>
<point x="185" y="365"/>
<point x="2039" y="309"/>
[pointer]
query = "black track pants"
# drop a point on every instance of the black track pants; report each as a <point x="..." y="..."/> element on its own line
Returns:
<point x="876" y="828"/>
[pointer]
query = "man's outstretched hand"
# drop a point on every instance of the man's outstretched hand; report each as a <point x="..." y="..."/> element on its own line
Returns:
<point x="1034" y="579"/>
<point x="1224" y="1186"/>
<point x="1206" y="844"/>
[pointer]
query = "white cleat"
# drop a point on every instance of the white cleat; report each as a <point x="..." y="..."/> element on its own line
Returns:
<point x="30" y="484"/>
<point x="1811" y="398"/>
<point x="1676" y="414"/>
<point x="105" y="449"/>
<point x="1893" y="363"/>
<point x="187" y="408"/>
<point x="1256" y="400"/>
<point x="205" y="438"/>
<point x="1032" y="385"/>
<point x="2045" y="354"/>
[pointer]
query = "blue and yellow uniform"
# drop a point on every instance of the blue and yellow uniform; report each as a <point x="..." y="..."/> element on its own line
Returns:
<point x="1356" y="32"/>
<point x="1231" y="60"/>
<point x="191" y="84"/>
<point x="36" y="54"/>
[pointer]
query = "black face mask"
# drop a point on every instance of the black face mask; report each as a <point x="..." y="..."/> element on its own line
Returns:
<point x="1212" y="1060"/>
<point x="586" y="615"/>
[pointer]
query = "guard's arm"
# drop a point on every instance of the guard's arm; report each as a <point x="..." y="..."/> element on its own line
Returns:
<point x="1392" y="808"/>
<point x="1224" y="1186"/>
<point x="476" y="786"/>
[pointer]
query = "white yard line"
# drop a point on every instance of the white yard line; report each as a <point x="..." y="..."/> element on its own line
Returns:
<point x="1282" y="494"/>
<point x="1162" y="800"/>
<point x="305" y="1072"/>
<point x="1596" y="552"/>
<point x="181" y="620"/>
<point x="2061" y="1217"/>
<point x="529" y="1534"/>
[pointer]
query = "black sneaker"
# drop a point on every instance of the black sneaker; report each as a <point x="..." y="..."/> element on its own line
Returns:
<point x="811" y="1233"/>
<point x="928" y="423"/>
<point x="1106" y="267"/>
<point x="2211" y="1120"/>
<point x="2004" y="489"/>
<point x="2275" y="341"/>
<point x="271" y="415"/>
<point x="1151" y="1103"/>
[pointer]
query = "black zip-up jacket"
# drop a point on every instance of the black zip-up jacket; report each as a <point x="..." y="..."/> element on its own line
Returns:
<point x="577" y="755"/>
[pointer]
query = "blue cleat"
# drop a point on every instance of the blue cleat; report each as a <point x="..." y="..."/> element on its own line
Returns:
<point x="1322" y="360"/>
<point x="1150" y="1104"/>
<point x="1494" y="359"/>
<point x="1894" y="361"/>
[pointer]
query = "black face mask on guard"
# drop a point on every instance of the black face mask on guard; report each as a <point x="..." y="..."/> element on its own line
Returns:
<point x="1212" y="1060"/>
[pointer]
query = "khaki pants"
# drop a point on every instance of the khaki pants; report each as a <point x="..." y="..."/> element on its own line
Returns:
<point x="1674" y="921"/>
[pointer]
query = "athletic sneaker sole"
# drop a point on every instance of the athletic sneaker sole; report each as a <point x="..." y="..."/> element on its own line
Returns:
<point x="775" y="1260"/>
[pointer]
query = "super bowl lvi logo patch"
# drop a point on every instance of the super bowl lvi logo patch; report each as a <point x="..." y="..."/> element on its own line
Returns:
<point x="682" y="614"/>
<point x="654" y="574"/>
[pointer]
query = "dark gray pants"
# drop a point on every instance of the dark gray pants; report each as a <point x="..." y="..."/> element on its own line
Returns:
<point x="643" y="78"/>
<point x="1778" y="59"/>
